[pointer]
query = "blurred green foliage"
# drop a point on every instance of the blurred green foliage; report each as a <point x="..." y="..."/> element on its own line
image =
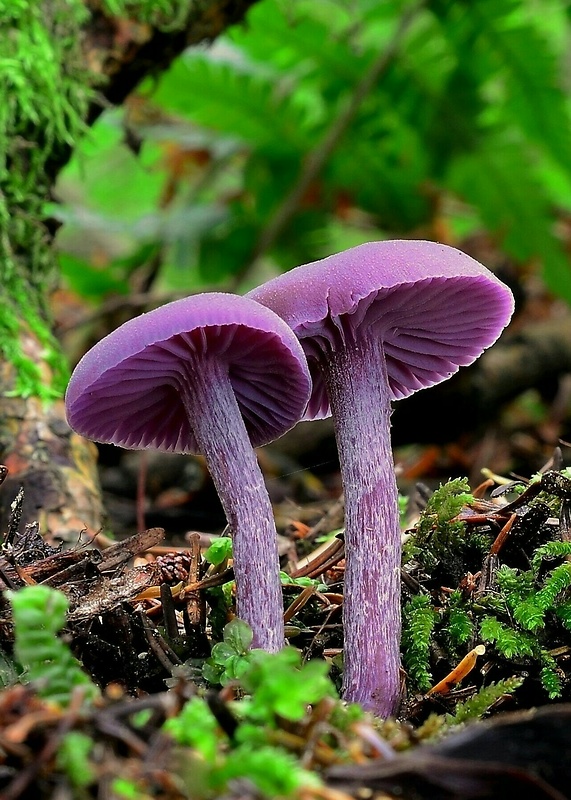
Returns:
<point x="465" y="131"/>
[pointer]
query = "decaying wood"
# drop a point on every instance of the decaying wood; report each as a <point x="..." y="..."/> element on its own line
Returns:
<point x="56" y="467"/>
<point x="120" y="552"/>
<point x="107" y="593"/>
<point x="94" y="582"/>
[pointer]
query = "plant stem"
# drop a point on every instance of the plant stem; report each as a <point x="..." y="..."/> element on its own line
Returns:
<point x="358" y="389"/>
<point x="222" y="437"/>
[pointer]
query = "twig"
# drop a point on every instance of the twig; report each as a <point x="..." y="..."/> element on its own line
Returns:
<point x="194" y="605"/>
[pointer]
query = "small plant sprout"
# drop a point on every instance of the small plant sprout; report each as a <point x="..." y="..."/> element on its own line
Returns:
<point x="377" y="323"/>
<point x="215" y="374"/>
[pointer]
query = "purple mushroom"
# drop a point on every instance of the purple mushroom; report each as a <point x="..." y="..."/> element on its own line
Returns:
<point x="377" y="323"/>
<point x="215" y="374"/>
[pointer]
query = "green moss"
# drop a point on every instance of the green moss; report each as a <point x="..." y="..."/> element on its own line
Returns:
<point x="166" y="15"/>
<point x="45" y="92"/>
<point x="459" y="625"/>
<point x="522" y="611"/>
<point x="477" y="705"/>
<point x="439" y="537"/>
<point x="44" y="100"/>
<point x="419" y="619"/>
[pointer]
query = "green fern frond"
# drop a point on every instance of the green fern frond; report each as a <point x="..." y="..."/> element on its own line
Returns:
<point x="532" y="88"/>
<point x="289" y="41"/>
<point x="500" y="181"/>
<point x="396" y="160"/>
<point x="247" y="102"/>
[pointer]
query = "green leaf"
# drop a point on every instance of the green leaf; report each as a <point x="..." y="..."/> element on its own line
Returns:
<point x="219" y="551"/>
<point x="73" y="758"/>
<point x="221" y="652"/>
<point x="274" y="772"/>
<point x="499" y="180"/>
<point x="196" y="727"/>
<point x="533" y="90"/>
<point x="250" y="103"/>
<point x="279" y="684"/>
<point x="238" y="636"/>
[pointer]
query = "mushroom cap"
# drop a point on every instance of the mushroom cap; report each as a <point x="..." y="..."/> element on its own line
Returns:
<point x="129" y="388"/>
<point x="434" y="307"/>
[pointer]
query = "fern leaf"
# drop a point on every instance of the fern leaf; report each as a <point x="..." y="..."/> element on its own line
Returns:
<point x="498" y="179"/>
<point x="534" y="94"/>
<point x="248" y="103"/>
<point x="288" y="37"/>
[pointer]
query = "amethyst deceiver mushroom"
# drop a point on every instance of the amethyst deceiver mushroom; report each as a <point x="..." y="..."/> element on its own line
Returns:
<point x="215" y="374"/>
<point x="377" y="323"/>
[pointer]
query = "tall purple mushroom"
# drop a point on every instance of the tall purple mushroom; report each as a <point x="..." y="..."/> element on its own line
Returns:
<point x="215" y="374"/>
<point x="377" y="323"/>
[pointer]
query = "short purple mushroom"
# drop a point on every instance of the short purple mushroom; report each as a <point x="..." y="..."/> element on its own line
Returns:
<point x="377" y="323"/>
<point x="215" y="374"/>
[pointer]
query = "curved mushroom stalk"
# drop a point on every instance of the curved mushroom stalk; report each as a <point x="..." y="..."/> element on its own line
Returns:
<point x="205" y="375"/>
<point x="222" y="438"/>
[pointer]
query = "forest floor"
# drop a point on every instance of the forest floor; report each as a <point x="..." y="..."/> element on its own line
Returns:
<point x="169" y="701"/>
<point x="146" y="609"/>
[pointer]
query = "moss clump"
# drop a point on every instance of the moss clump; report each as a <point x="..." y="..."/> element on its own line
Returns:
<point x="44" y="99"/>
<point x="166" y="15"/>
<point x="515" y="597"/>
<point x="45" y="91"/>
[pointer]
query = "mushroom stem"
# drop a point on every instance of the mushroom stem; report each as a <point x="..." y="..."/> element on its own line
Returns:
<point x="358" y="389"/>
<point x="222" y="437"/>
